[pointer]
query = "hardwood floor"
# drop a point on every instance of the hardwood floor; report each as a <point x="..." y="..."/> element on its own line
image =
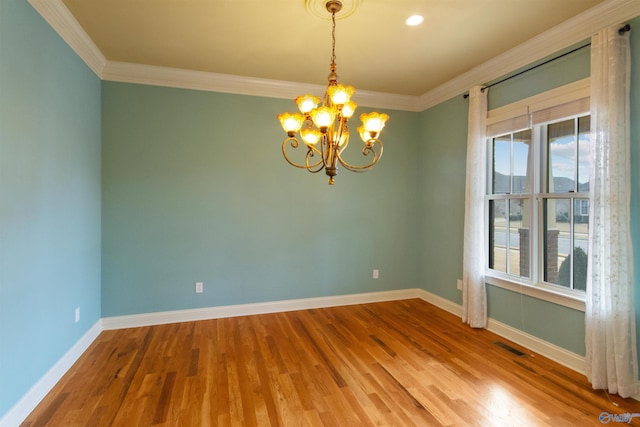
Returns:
<point x="400" y="363"/>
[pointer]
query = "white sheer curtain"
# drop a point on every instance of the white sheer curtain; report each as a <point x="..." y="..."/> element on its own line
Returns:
<point x="611" y="359"/>
<point x="474" y="296"/>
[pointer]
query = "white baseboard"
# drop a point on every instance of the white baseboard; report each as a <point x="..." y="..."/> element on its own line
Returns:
<point x="553" y="352"/>
<point x="39" y="390"/>
<point x="148" y="319"/>
<point x="33" y="397"/>
<point x="440" y="302"/>
<point x="557" y="354"/>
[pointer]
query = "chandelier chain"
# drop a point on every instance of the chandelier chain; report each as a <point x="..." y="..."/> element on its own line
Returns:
<point x="333" y="38"/>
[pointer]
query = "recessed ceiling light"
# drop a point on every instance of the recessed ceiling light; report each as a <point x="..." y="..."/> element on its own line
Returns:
<point x="414" y="20"/>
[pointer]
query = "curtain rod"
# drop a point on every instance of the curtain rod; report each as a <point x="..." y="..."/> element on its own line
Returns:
<point x="621" y="31"/>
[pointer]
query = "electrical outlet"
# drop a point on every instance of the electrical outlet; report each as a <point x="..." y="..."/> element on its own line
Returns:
<point x="459" y="284"/>
<point x="199" y="287"/>
<point x="77" y="314"/>
<point x="376" y="274"/>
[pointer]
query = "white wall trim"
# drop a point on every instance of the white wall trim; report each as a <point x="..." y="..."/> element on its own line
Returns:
<point x="544" y="348"/>
<point x="557" y="354"/>
<point x="566" y="34"/>
<point x="570" y="92"/>
<point x="65" y="24"/>
<point x="159" y="318"/>
<point x="553" y="352"/>
<point x="440" y="302"/>
<point x="34" y="396"/>
<point x="39" y="390"/>
<point x="226" y="83"/>
<point x="541" y="292"/>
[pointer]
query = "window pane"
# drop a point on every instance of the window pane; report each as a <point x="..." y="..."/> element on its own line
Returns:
<point x="556" y="233"/>
<point x="584" y="144"/>
<point x="561" y="157"/>
<point x="498" y="235"/>
<point x="519" y="237"/>
<point x="501" y="164"/>
<point x="521" y="151"/>
<point x="580" y="243"/>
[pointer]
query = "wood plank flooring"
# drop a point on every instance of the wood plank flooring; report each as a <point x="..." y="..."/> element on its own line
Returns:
<point x="399" y="363"/>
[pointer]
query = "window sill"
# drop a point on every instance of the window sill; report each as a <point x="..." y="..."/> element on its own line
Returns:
<point x="549" y="294"/>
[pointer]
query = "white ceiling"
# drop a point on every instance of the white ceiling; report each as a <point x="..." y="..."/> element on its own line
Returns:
<point x="290" y="40"/>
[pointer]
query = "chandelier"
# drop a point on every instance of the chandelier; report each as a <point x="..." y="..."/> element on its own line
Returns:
<point x="322" y="124"/>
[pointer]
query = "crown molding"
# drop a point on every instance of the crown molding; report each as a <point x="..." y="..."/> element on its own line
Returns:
<point x="387" y="100"/>
<point x="566" y="34"/>
<point x="65" y="24"/>
<point x="213" y="82"/>
<point x="126" y="72"/>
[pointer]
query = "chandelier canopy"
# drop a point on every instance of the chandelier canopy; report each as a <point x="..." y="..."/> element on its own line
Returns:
<point x="322" y="124"/>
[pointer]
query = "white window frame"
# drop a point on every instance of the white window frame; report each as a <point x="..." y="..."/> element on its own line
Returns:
<point x="506" y="198"/>
<point x="568" y="101"/>
<point x="582" y="208"/>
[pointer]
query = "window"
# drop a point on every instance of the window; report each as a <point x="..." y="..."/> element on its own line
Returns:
<point x="509" y="202"/>
<point x="565" y="202"/>
<point x="538" y="204"/>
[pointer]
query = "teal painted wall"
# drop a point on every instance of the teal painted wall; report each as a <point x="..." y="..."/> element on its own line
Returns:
<point x="443" y="135"/>
<point x="443" y="148"/>
<point x="49" y="199"/>
<point x="195" y="188"/>
<point x="575" y="65"/>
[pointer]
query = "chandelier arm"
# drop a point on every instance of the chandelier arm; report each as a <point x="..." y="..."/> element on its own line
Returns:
<point x="319" y="164"/>
<point x="344" y="145"/>
<point x="366" y="150"/>
<point x="313" y="147"/>
<point x="294" y="143"/>
<point x="326" y="152"/>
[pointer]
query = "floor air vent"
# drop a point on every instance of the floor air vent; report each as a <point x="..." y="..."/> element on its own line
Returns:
<point x="509" y="348"/>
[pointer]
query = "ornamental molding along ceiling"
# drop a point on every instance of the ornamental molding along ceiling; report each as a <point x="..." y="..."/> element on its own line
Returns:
<point x="566" y="34"/>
